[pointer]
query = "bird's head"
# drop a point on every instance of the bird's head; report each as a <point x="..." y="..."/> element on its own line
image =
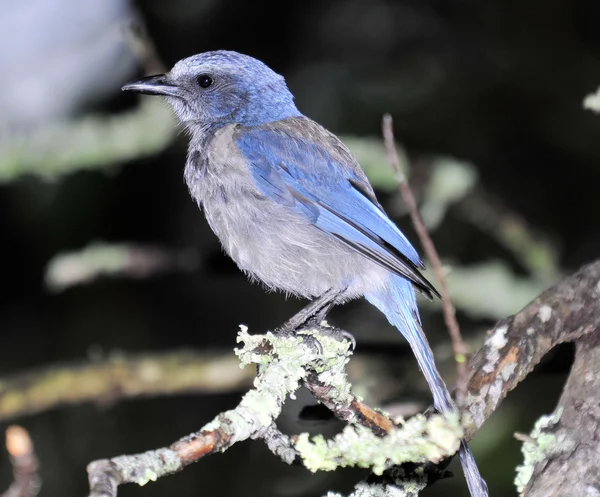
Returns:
<point x="221" y="87"/>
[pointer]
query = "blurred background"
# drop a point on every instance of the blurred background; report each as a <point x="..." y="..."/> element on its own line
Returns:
<point x="104" y="255"/>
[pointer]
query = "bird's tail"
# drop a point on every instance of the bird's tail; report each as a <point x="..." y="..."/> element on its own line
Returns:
<point x="398" y="302"/>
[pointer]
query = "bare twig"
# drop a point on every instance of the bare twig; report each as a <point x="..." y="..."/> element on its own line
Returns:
<point x="24" y="463"/>
<point x="523" y="437"/>
<point x="279" y="443"/>
<point x="350" y="409"/>
<point x="458" y="345"/>
<point x="120" y="376"/>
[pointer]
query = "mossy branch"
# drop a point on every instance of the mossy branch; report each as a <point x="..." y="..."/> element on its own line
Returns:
<point x="286" y="362"/>
<point x="119" y="376"/>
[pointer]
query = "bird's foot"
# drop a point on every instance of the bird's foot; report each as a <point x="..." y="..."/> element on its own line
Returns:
<point x="322" y="329"/>
<point x="287" y="332"/>
<point x="336" y="333"/>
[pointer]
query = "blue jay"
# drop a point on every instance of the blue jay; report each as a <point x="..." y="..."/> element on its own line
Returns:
<point x="290" y="203"/>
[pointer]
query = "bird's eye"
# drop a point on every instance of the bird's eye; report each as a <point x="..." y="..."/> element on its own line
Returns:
<point x="204" y="81"/>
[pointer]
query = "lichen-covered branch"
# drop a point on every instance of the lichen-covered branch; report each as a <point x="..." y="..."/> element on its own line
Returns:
<point x="120" y="376"/>
<point x="285" y="363"/>
<point x="563" y="453"/>
<point x="418" y="440"/>
<point x="566" y="312"/>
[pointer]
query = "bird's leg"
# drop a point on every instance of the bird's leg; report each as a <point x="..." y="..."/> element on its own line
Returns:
<point x="314" y="314"/>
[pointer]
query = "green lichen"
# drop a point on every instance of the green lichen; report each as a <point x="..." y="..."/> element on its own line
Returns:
<point x="542" y="445"/>
<point x="283" y="363"/>
<point x="419" y="440"/>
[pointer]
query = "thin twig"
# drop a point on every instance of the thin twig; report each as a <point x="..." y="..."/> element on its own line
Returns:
<point x="24" y="463"/>
<point x="458" y="345"/>
<point x="523" y="437"/>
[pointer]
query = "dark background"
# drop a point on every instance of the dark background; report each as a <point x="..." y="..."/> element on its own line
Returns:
<point x="497" y="83"/>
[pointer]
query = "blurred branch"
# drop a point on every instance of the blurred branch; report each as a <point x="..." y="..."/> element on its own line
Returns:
<point x="489" y="289"/>
<point x="120" y="376"/>
<point x="24" y="463"/>
<point x="592" y="102"/>
<point x="475" y="482"/>
<point x="533" y="251"/>
<point x="92" y="142"/>
<point x="450" y="180"/>
<point x="100" y="259"/>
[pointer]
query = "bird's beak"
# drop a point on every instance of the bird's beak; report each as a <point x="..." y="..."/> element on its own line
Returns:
<point x="154" y="85"/>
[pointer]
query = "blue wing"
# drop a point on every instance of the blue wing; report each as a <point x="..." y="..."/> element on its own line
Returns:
<point x="298" y="163"/>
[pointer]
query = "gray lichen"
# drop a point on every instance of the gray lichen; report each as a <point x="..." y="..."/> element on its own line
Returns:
<point x="148" y="466"/>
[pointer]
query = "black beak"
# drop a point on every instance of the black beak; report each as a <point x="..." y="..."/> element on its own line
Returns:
<point x="154" y="85"/>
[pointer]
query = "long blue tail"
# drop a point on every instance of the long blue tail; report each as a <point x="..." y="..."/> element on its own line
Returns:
<point x="398" y="302"/>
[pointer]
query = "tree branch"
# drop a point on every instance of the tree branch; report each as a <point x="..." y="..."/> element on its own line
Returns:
<point x="285" y="363"/>
<point x="24" y="463"/>
<point x="566" y="312"/>
<point x="120" y="376"/>
<point x="562" y="455"/>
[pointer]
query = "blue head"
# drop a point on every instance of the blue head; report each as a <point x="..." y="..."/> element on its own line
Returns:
<point x="221" y="87"/>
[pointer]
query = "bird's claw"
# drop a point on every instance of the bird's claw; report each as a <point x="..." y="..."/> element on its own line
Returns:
<point x="337" y="334"/>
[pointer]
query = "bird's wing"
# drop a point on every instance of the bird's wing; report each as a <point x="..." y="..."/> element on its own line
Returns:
<point x="298" y="163"/>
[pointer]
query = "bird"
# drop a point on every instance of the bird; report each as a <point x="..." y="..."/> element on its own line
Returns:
<point x="291" y="205"/>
